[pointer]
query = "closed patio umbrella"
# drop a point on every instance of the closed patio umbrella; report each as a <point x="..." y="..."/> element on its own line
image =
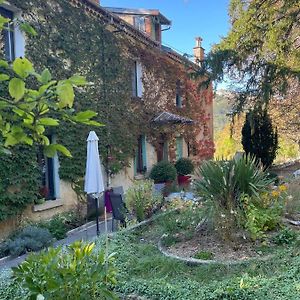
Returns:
<point x="93" y="184"/>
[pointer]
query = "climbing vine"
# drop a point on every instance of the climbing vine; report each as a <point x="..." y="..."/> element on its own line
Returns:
<point x="71" y="41"/>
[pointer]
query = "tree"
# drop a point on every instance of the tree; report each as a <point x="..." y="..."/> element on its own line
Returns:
<point x="32" y="102"/>
<point x="260" y="55"/>
<point x="259" y="138"/>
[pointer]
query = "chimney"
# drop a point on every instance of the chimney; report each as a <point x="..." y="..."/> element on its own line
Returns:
<point x="198" y="51"/>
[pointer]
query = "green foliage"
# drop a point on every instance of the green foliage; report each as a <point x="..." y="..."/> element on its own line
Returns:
<point x="28" y="109"/>
<point x="285" y="237"/>
<point x="204" y="255"/>
<point x="225" y="181"/>
<point x="259" y="137"/>
<point x="141" y="200"/>
<point x="226" y="184"/>
<point x="74" y="273"/>
<point x="260" y="52"/>
<point x="184" y="166"/>
<point x="29" y="239"/>
<point x="20" y="179"/>
<point x="163" y="171"/>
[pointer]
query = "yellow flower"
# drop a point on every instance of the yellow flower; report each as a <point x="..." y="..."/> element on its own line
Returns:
<point x="275" y="193"/>
<point x="282" y="188"/>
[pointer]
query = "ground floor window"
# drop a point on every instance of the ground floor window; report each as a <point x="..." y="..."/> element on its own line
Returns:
<point x="49" y="184"/>
<point x="163" y="151"/>
<point x="140" y="159"/>
<point x="179" y="148"/>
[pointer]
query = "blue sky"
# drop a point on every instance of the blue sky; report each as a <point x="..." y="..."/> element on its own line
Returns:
<point x="190" y="18"/>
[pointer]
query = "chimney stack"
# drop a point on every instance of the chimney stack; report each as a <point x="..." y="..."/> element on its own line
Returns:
<point x="198" y="51"/>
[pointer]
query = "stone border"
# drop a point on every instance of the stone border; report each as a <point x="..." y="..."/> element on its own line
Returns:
<point x="195" y="262"/>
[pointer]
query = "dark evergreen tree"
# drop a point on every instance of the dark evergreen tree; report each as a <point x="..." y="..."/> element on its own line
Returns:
<point x="259" y="138"/>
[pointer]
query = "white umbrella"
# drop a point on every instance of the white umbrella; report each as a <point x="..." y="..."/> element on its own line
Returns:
<point x="93" y="176"/>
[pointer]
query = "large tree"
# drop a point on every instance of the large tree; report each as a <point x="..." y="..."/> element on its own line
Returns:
<point x="261" y="53"/>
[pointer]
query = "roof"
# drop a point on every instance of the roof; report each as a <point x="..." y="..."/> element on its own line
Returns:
<point x="140" y="11"/>
<point x="168" y="118"/>
<point x="121" y="25"/>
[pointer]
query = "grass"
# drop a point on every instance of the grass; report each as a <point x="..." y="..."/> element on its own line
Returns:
<point x="143" y="270"/>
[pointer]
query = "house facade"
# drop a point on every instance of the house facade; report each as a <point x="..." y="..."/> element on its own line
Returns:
<point x="146" y="95"/>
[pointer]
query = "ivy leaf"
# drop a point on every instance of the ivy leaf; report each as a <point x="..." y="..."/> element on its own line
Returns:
<point x="65" y="94"/>
<point x="45" y="76"/>
<point x="48" y="122"/>
<point x="78" y="80"/>
<point x="4" y="77"/>
<point x="16" y="88"/>
<point x="51" y="150"/>
<point x="23" y="67"/>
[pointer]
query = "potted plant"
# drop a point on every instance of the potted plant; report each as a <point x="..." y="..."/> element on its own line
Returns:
<point x="184" y="167"/>
<point x="163" y="172"/>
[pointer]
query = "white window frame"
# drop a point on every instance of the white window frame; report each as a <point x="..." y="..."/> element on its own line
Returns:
<point x="137" y="82"/>
<point x="19" y="37"/>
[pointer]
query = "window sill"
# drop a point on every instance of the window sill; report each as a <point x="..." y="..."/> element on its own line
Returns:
<point x="47" y="205"/>
<point x="136" y="98"/>
<point x="139" y="177"/>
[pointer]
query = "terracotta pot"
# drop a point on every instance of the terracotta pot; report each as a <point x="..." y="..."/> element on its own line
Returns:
<point x="183" y="180"/>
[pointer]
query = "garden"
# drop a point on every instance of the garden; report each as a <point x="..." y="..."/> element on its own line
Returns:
<point x="235" y="240"/>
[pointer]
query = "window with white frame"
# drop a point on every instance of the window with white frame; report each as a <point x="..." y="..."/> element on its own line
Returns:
<point x="50" y="183"/>
<point x="178" y="94"/>
<point x="12" y="39"/>
<point x="139" y="23"/>
<point x="8" y="35"/>
<point x="137" y="84"/>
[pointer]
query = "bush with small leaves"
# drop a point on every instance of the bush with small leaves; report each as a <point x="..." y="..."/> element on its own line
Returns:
<point x="29" y="239"/>
<point x="163" y="171"/>
<point x="75" y="272"/>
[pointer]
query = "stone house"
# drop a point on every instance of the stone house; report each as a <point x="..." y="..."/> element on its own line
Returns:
<point x="142" y="91"/>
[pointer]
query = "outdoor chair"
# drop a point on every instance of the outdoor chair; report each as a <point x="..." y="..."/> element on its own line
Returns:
<point x="118" y="209"/>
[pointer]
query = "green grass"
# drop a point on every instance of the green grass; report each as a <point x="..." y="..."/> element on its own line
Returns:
<point x="143" y="270"/>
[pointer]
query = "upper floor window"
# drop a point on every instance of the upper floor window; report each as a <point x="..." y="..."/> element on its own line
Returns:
<point x="178" y="94"/>
<point x="137" y="84"/>
<point x="139" y="23"/>
<point x="8" y="35"/>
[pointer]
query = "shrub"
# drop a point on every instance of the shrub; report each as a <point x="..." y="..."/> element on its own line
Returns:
<point x="226" y="184"/>
<point x="285" y="237"/>
<point x="259" y="138"/>
<point x="225" y="181"/>
<point x="184" y="166"/>
<point x="76" y="272"/>
<point x="163" y="171"/>
<point x="141" y="199"/>
<point x="29" y="239"/>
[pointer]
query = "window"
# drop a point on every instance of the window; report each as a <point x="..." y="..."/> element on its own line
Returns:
<point x="163" y="151"/>
<point x="137" y="84"/>
<point x="49" y="186"/>
<point x="140" y="160"/>
<point x="139" y="23"/>
<point x="8" y="35"/>
<point x="179" y="147"/>
<point x="178" y="94"/>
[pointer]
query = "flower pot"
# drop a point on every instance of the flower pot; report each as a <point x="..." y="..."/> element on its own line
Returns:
<point x="183" y="180"/>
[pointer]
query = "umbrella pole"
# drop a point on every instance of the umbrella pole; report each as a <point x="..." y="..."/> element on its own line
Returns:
<point x="97" y="215"/>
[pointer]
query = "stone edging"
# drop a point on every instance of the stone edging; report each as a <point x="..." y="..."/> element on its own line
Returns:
<point x="195" y="261"/>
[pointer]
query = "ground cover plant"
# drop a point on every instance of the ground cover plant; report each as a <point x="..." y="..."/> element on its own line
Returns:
<point x="143" y="270"/>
